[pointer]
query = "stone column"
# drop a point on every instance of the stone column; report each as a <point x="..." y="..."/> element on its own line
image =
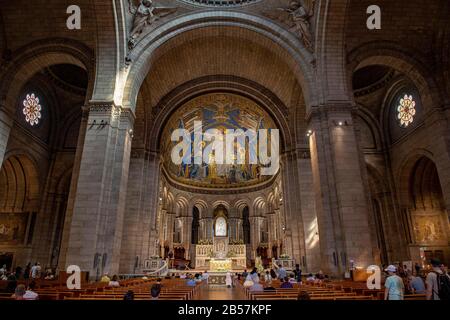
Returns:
<point x="294" y="242"/>
<point x="6" y="123"/>
<point x="97" y="219"/>
<point x="170" y="228"/>
<point x="254" y="235"/>
<point x="341" y="203"/>
<point x="141" y="208"/>
<point x="309" y="215"/>
<point x="232" y="229"/>
<point x="73" y="187"/>
<point x="239" y="230"/>
<point x="272" y="225"/>
<point x="187" y="235"/>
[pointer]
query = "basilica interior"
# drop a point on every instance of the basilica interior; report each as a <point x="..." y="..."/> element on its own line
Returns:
<point x="86" y="118"/>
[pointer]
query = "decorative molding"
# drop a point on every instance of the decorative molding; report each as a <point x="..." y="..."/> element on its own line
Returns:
<point x="221" y="3"/>
<point x="375" y="86"/>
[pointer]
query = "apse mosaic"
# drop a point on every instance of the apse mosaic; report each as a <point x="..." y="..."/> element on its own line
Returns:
<point x="220" y="111"/>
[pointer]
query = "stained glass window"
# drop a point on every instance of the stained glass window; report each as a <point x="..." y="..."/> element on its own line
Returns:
<point x="32" y="109"/>
<point x="406" y="110"/>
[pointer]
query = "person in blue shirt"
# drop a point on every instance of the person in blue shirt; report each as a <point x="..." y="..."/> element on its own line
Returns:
<point x="394" y="285"/>
<point x="191" y="281"/>
<point x="417" y="284"/>
<point x="281" y="272"/>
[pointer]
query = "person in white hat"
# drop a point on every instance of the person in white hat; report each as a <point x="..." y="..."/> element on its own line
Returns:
<point x="394" y="285"/>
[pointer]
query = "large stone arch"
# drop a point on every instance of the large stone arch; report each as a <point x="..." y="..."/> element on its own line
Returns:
<point x="39" y="55"/>
<point x="271" y="36"/>
<point x="393" y="55"/>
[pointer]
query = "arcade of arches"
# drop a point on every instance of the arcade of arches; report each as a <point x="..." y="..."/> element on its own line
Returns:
<point x="86" y="118"/>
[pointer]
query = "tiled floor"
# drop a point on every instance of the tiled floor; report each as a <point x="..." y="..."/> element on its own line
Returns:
<point x="220" y="293"/>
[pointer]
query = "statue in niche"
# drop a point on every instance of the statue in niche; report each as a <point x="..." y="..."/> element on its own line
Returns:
<point x="297" y="15"/>
<point x="145" y="15"/>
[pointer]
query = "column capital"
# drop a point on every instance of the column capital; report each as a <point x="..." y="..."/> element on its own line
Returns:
<point x="337" y="108"/>
<point x="6" y="113"/>
<point x="109" y="109"/>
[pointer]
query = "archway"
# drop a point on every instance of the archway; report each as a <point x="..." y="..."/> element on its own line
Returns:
<point x="427" y="218"/>
<point x="19" y="206"/>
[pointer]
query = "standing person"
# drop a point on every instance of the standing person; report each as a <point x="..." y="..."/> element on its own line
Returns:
<point x="18" y="272"/>
<point x="298" y="273"/>
<point x="438" y="283"/>
<point x="418" y="268"/>
<point x="254" y="275"/>
<point x="417" y="285"/>
<point x="228" y="280"/>
<point x="36" y="271"/>
<point x="273" y="274"/>
<point x="281" y="272"/>
<point x="245" y="274"/>
<point x="205" y="276"/>
<point x="267" y="278"/>
<point x="26" y="273"/>
<point x="394" y="285"/>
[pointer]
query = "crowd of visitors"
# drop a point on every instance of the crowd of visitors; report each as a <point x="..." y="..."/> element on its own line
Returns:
<point x="435" y="284"/>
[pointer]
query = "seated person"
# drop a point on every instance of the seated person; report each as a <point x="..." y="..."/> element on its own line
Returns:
<point x="286" y="284"/>
<point x="183" y="276"/>
<point x="248" y="281"/>
<point x="191" y="281"/>
<point x="256" y="287"/>
<point x="29" y="293"/>
<point x="155" y="291"/>
<point x="320" y="275"/>
<point x="129" y="295"/>
<point x="303" y="295"/>
<point x="105" y="278"/>
<point x="114" y="282"/>
<point x="19" y="292"/>
<point x="310" y="278"/>
<point x="198" y="277"/>
<point x="269" y="288"/>
<point x="292" y="279"/>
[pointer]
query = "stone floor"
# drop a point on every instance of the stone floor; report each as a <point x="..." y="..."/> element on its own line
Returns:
<point x="212" y="292"/>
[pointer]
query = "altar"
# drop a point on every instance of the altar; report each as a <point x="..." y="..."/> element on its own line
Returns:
<point x="234" y="259"/>
<point x="221" y="255"/>
<point x="220" y="265"/>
